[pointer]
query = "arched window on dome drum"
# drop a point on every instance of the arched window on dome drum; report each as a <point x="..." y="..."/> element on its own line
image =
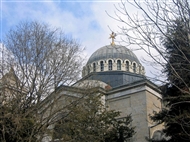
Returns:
<point x="118" y="64"/>
<point x="127" y="65"/>
<point x="110" y="65"/>
<point x="101" y="66"/>
<point x="139" y="69"/>
<point x="94" y="67"/>
<point x="88" y="69"/>
<point x="134" y="68"/>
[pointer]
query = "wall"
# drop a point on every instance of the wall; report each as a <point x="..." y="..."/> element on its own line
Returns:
<point x="139" y="101"/>
<point x="153" y="101"/>
<point x="132" y="101"/>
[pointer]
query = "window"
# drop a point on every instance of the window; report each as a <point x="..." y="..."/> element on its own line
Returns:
<point x="110" y="65"/>
<point x="134" y="68"/>
<point x="101" y="66"/>
<point x="94" y="67"/>
<point x="127" y="65"/>
<point x="139" y="69"/>
<point x="88" y="68"/>
<point x="118" y="65"/>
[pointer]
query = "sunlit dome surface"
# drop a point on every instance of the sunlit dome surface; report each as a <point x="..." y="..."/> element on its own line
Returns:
<point x="113" y="52"/>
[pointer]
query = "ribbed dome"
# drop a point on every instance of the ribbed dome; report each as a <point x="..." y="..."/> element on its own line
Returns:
<point x="113" y="52"/>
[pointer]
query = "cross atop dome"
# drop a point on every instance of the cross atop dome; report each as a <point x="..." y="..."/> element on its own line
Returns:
<point x="112" y="36"/>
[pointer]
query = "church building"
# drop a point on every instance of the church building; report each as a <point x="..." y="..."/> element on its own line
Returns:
<point x="118" y="71"/>
<point x="121" y="76"/>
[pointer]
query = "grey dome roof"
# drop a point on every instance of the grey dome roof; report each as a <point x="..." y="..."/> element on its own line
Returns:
<point x="113" y="51"/>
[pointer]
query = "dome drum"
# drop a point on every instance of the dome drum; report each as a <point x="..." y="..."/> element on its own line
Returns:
<point x="117" y="65"/>
<point x="113" y="58"/>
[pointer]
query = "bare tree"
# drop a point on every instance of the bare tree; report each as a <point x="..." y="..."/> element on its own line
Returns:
<point x="38" y="59"/>
<point x="148" y="26"/>
<point x="162" y="29"/>
<point x="42" y="57"/>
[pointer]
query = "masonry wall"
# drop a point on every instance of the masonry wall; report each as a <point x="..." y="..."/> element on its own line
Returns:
<point x="132" y="102"/>
<point x="153" y="104"/>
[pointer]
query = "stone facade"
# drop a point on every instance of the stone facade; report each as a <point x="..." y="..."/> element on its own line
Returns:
<point x="139" y="100"/>
<point x="124" y="86"/>
<point x="131" y="93"/>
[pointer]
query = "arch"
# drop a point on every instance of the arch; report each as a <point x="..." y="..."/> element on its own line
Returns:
<point x="158" y="135"/>
<point x="88" y="69"/>
<point x="101" y="66"/>
<point x="118" y="64"/>
<point x="139" y="68"/>
<point x="110" y="65"/>
<point x="94" y="67"/>
<point x="127" y="65"/>
<point x="134" y="67"/>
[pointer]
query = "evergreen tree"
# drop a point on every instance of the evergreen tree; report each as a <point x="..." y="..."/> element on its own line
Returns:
<point x="89" y="120"/>
<point x="176" y="95"/>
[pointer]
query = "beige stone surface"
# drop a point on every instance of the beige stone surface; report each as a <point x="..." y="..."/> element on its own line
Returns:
<point x="153" y="105"/>
<point x="140" y="102"/>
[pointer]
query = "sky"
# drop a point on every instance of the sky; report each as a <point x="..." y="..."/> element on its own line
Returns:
<point x="85" y="20"/>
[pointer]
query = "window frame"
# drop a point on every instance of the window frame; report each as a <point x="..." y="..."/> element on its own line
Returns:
<point x="134" y="67"/>
<point x="94" y="67"/>
<point x="118" y="64"/>
<point x="110" y="64"/>
<point x="127" y="65"/>
<point x="101" y="65"/>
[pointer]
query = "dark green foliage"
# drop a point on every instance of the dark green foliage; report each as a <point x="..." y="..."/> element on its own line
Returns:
<point x="16" y="126"/>
<point x="178" y="53"/>
<point x="176" y="94"/>
<point x="121" y="131"/>
<point x="89" y="120"/>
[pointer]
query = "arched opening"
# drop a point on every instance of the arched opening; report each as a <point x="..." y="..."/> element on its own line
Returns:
<point x="110" y="65"/>
<point x="139" y="69"/>
<point x="118" y="64"/>
<point x="101" y="66"/>
<point x="127" y="65"/>
<point x="134" y="68"/>
<point x="94" y="67"/>
<point x="158" y="135"/>
<point x="88" y="69"/>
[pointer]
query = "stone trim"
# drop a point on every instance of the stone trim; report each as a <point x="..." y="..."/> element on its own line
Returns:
<point x="90" y="67"/>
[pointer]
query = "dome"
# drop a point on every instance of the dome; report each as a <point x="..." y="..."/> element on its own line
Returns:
<point x="113" y="52"/>
<point x="113" y="58"/>
<point x="115" y="65"/>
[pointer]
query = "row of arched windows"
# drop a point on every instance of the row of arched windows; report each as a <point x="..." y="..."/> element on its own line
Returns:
<point x="110" y="66"/>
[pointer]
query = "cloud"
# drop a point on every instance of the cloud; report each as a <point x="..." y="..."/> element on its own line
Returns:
<point x="86" y="21"/>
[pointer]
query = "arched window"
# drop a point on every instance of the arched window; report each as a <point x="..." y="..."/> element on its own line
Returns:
<point x="127" y="65"/>
<point x="110" y="65"/>
<point x="118" y="64"/>
<point x="88" y="69"/>
<point x="134" y="68"/>
<point x="101" y="66"/>
<point x="139" y="69"/>
<point x="94" y="67"/>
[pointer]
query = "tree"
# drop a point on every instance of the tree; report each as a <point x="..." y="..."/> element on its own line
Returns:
<point x="176" y="115"/>
<point x="40" y="59"/>
<point x="121" y="130"/>
<point x="162" y="31"/>
<point x="89" y="120"/>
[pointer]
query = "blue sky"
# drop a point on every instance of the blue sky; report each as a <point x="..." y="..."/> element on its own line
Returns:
<point x="85" y="20"/>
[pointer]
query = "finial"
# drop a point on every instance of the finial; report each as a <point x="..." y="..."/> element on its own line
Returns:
<point x="112" y="36"/>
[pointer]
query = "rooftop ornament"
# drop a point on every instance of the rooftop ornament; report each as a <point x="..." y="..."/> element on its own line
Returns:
<point x="112" y="36"/>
